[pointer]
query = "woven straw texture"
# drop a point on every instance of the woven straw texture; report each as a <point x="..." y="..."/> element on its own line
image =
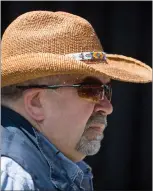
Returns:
<point x="36" y="43"/>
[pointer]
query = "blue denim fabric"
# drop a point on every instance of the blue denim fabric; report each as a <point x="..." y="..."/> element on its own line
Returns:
<point x="48" y="168"/>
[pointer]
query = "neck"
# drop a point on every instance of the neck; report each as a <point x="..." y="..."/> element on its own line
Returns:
<point x="70" y="153"/>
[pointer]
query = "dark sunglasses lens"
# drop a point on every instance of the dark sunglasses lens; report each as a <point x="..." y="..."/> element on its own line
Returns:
<point x="90" y="93"/>
<point x="95" y="93"/>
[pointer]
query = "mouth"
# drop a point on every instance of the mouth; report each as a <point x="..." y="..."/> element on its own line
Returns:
<point x="97" y="128"/>
<point x="94" y="133"/>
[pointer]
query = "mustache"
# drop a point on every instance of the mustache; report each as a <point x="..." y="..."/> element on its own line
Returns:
<point x="97" y="118"/>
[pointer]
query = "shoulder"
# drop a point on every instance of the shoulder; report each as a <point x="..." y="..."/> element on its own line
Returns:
<point x="14" y="177"/>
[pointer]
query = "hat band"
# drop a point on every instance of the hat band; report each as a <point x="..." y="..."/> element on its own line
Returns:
<point x="88" y="56"/>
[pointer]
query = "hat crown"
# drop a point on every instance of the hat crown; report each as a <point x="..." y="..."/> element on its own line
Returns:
<point x="49" y="32"/>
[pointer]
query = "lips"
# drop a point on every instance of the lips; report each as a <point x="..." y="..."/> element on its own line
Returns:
<point x="94" y="133"/>
<point x="98" y="129"/>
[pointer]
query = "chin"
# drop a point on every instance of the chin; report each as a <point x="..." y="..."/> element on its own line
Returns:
<point x="90" y="149"/>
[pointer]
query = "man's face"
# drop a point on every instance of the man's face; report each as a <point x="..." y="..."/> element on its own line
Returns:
<point x="72" y="123"/>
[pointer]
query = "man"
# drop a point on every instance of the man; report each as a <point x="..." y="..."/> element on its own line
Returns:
<point x="56" y="96"/>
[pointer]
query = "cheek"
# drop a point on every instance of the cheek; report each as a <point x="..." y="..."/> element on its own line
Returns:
<point x="78" y="118"/>
<point x="66" y="126"/>
<point x="68" y="106"/>
<point x="68" y="114"/>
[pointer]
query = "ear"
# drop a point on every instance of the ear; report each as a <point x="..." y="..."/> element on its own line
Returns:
<point x="33" y="104"/>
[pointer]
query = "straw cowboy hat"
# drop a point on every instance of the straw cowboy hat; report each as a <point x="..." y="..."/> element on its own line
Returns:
<point x="43" y="43"/>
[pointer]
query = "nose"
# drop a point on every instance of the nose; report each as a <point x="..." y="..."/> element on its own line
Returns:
<point x="104" y="106"/>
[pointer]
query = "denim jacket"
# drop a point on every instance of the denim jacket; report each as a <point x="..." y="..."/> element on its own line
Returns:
<point x="48" y="167"/>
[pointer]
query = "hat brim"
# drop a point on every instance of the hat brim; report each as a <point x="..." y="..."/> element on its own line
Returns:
<point x="36" y="65"/>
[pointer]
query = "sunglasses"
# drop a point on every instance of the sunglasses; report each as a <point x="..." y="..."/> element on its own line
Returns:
<point x="92" y="92"/>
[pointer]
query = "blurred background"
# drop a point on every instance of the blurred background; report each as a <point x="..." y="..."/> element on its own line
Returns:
<point x="125" y="159"/>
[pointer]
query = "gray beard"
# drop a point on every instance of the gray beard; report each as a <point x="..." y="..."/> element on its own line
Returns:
<point x="91" y="147"/>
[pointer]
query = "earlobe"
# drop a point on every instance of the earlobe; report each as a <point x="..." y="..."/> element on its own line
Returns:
<point x="33" y="105"/>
